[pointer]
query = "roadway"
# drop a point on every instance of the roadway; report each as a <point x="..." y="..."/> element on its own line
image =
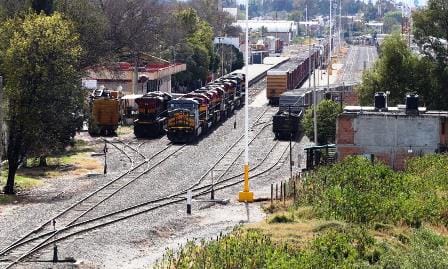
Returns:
<point x="359" y="58"/>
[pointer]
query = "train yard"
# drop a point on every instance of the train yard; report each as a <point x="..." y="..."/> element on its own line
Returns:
<point x="128" y="216"/>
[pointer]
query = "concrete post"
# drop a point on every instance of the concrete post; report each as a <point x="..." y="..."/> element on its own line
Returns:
<point x="189" y="202"/>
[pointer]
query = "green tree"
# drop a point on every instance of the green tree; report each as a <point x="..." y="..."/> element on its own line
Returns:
<point x="196" y="51"/>
<point x="430" y="32"/>
<point x="392" y="22"/>
<point x="39" y="59"/>
<point x="91" y="23"/>
<point x="397" y="70"/>
<point x="327" y="113"/>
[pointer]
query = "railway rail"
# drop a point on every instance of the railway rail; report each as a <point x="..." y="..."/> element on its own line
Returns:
<point x="77" y="212"/>
<point x="81" y="224"/>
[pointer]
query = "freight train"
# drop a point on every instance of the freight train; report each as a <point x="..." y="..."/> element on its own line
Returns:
<point x="104" y="112"/>
<point x="197" y="112"/>
<point x="152" y="117"/>
<point x="292" y="105"/>
<point x="293" y="73"/>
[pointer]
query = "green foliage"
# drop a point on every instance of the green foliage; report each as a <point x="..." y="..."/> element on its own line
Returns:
<point x="91" y="24"/>
<point x="392" y="22"/>
<point x="281" y="219"/>
<point x="397" y="70"/>
<point x="197" y="51"/>
<point x="327" y="113"/>
<point x="249" y="249"/>
<point x="425" y="249"/>
<point x="352" y="247"/>
<point x="357" y="191"/>
<point x="430" y="26"/>
<point x="338" y="249"/>
<point x="39" y="59"/>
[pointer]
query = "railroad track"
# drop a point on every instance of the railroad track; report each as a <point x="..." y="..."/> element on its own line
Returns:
<point x="44" y="237"/>
<point x="77" y="212"/>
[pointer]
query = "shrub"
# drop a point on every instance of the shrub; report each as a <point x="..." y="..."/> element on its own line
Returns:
<point x="356" y="191"/>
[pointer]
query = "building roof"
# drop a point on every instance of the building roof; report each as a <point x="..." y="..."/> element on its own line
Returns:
<point x="272" y="26"/>
<point x="124" y="71"/>
<point x="399" y="110"/>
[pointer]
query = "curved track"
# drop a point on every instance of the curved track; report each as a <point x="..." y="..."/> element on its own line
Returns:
<point x="76" y="212"/>
<point x="73" y="220"/>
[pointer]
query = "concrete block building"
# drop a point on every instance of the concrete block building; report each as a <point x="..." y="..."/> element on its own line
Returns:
<point x="391" y="134"/>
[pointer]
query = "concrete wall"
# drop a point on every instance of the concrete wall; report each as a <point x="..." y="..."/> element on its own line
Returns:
<point x="389" y="137"/>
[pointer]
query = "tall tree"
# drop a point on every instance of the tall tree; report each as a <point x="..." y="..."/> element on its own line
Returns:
<point x="392" y="22"/>
<point x="91" y="23"/>
<point x="397" y="70"/>
<point x="39" y="59"/>
<point x="430" y="32"/>
<point x="327" y="113"/>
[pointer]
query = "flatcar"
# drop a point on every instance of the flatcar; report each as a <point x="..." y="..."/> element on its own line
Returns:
<point x="104" y="112"/>
<point x="152" y="114"/>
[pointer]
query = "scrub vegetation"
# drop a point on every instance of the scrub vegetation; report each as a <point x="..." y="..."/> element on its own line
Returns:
<point x="353" y="214"/>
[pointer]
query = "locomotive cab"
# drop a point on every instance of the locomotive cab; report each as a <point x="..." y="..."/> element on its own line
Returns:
<point x="152" y="114"/>
<point x="183" y="120"/>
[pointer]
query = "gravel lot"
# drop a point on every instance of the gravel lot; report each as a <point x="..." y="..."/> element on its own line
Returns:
<point x="138" y="242"/>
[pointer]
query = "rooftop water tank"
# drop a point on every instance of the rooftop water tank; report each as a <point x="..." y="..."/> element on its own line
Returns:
<point x="380" y="101"/>
<point x="412" y="103"/>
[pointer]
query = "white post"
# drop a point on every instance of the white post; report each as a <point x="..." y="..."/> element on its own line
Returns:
<point x="189" y="196"/>
<point x="246" y="101"/>
<point x="246" y="195"/>
<point x="315" y="108"/>
<point x="309" y="47"/>
<point x="340" y="24"/>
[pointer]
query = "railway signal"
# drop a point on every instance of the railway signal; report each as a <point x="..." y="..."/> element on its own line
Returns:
<point x="246" y="195"/>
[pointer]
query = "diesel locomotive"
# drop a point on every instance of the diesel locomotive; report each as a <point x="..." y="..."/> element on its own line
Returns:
<point x="200" y="110"/>
<point x="152" y="117"/>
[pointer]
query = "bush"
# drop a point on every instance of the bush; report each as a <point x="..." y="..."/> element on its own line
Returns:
<point x="356" y="191"/>
<point x="425" y="250"/>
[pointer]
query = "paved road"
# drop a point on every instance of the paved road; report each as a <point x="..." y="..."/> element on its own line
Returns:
<point x="358" y="59"/>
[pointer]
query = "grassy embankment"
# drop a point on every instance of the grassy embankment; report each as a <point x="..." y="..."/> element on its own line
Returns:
<point x="350" y="215"/>
<point x="75" y="162"/>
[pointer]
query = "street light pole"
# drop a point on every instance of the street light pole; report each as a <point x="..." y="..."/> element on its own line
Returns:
<point x="315" y="108"/>
<point x="340" y="24"/>
<point x="1" y="123"/>
<point x="330" y="48"/>
<point x="246" y="195"/>
<point x="309" y="47"/>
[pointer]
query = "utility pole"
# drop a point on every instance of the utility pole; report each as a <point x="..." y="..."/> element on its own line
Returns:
<point x="135" y="75"/>
<point x="315" y="108"/>
<point x="340" y="24"/>
<point x="1" y="123"/>
<point x="222" y="56"/>
<point x="309" y="47"/>
<point x="246" y="195"/>
<point x="290" y="143"/>
<point x="329" y="40"/>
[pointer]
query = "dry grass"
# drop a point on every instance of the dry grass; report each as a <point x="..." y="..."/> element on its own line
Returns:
<point x="302" y="225"/>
